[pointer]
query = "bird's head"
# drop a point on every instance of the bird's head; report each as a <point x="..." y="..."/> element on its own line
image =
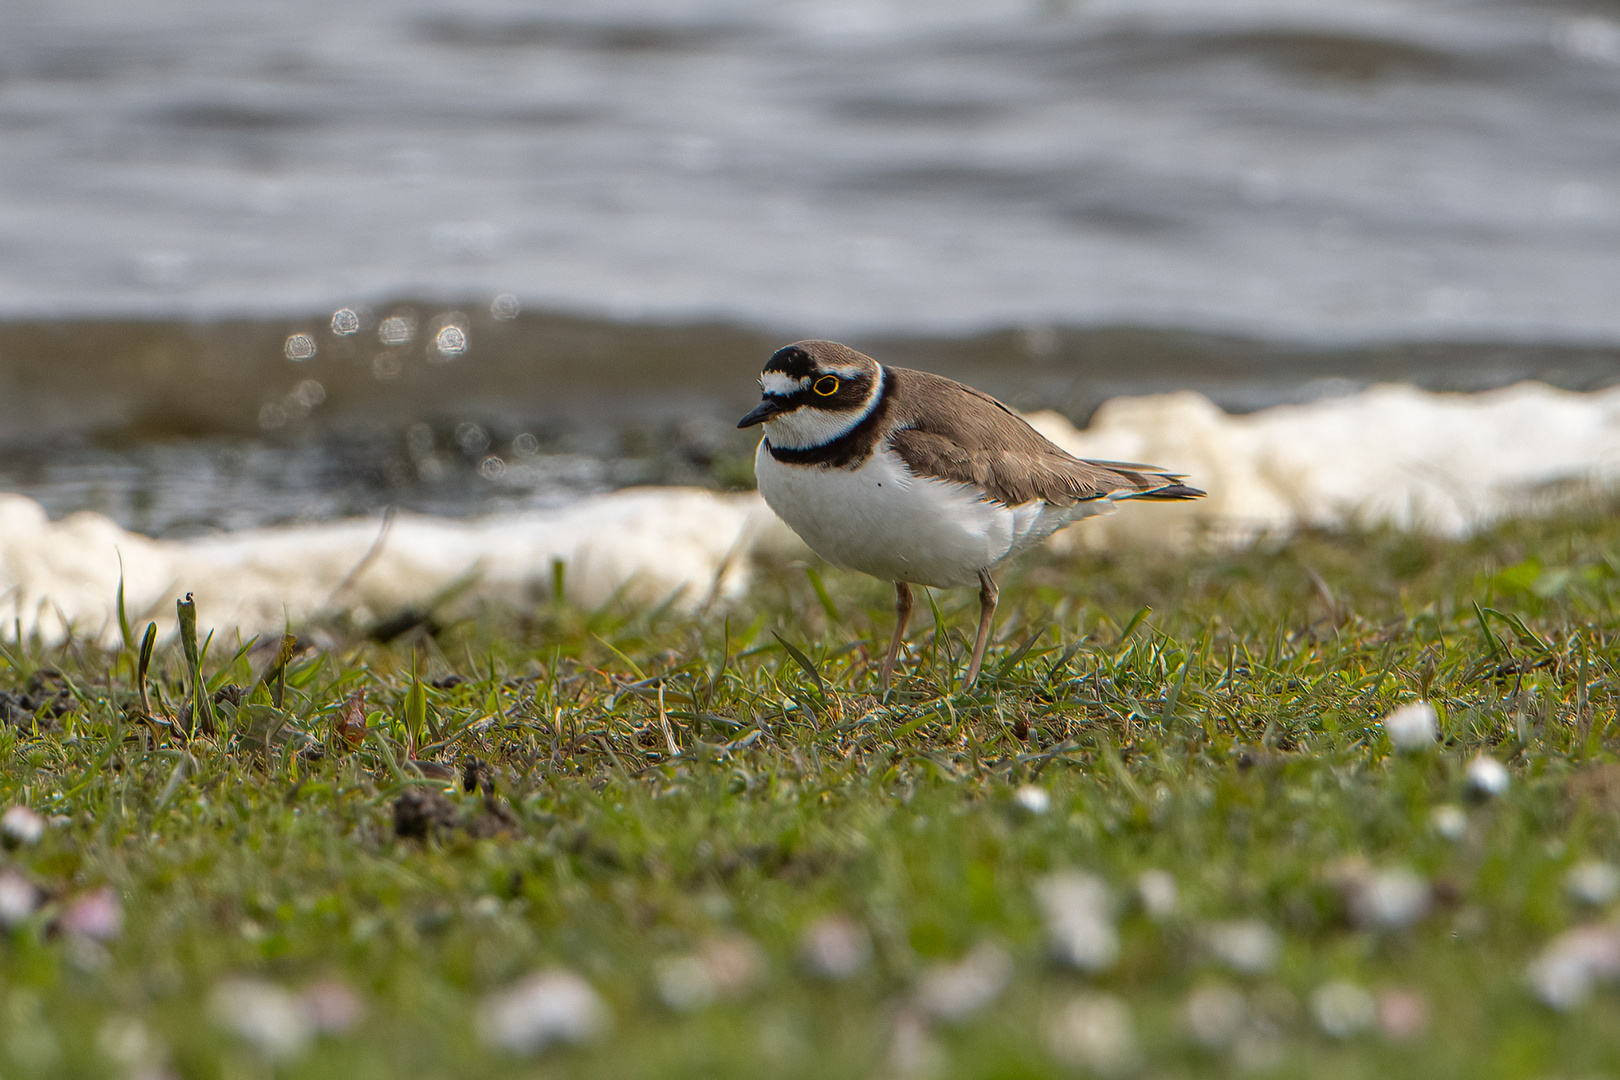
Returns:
<point x="813" y="392"/>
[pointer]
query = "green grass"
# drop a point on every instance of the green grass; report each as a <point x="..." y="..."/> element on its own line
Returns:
<point x="1213" y="716"/>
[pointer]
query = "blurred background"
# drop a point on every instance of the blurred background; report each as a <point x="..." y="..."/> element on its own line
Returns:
<point x="279" y="260"/>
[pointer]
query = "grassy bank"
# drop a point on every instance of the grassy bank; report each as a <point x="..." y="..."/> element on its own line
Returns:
<point x="747" y="866"/>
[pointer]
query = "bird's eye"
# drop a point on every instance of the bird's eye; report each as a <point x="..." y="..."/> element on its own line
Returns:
<point x="827" y="385"/>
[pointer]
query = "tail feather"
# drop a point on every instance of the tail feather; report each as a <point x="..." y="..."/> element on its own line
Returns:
<point x="1169" y="492"/>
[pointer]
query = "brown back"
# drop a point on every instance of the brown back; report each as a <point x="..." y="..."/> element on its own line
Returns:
<point x="950" y="431"/>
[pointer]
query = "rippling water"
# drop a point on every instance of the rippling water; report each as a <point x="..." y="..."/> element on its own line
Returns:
<point x="1060" y="199"/>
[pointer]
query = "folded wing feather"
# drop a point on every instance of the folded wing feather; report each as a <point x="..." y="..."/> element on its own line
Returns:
<point x="949" y="431"/>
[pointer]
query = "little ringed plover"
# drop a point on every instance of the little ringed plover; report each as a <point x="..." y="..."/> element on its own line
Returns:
<point x="918" y="479"/>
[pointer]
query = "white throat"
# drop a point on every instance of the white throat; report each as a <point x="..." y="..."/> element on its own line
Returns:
<point x="806" y="428"/>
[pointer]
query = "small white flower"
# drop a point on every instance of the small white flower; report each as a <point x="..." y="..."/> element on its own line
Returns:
<point x="684" y="984"/>
<point x="1215" y="1015"/>
<point x="1563" y="975"/>
<point x="1092" y="1031"/>
<point x="956" y="991"/>
<point x="1035" y="799"/>
<point x="1402" y="1014"/>
<point x="544" y="1008"/>
<point x="20" y="827"/>
<point x="1413" y="726"/>
<point x="1343" y="1009"/>
<point x="724" y="966"/>
<point x="1450" y="821"/>
<point x="1079" y="911"/>
<point x="95" y="916"/>
<point x="835" y="947"/>
<point x="1156" y="889"/>
<point x="1248" y="946"/>
<point x="272" y="1019"/>
<point x="1389" y="900"/>
<point x="1487" y="777"/>
<point x="1593" y="882"/>
<point x="18" y="898"/>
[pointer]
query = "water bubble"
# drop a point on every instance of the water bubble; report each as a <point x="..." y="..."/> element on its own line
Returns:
<point x="345" y="322"/>
<point x="397" y="330"/>
<point x="525" y="445"/>
<point x="491" y="468"/>
<point x="505" y="306"/>
<point x="385" y="366"/>
<point x="450" y="341"/>
<point x="272" y="416"/>
<point x="299" y="347"/>
<point x="471" y="438"/>
<point x="309" y="393"/>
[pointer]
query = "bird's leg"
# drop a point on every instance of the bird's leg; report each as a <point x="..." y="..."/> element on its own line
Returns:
<point x="902" y="616"/>
<point x="988" y="595"/>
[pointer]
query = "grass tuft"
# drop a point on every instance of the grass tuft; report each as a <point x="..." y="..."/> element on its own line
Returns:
<point x="680" y="811"/>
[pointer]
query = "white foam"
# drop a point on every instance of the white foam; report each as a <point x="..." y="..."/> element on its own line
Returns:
<point x="651" y="545"/>
<point x="1441" y="463"/>
<point x="1445" y="463"/>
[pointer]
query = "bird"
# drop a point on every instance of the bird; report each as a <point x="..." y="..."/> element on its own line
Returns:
<point x="918" y="479"/>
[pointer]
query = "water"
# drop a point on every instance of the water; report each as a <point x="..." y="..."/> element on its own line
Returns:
<point x="620" y="208"/>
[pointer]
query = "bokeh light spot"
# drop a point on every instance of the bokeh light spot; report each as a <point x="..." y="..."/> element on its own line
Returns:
<point x="450" y="341"/>
<point x="396" y="330"/>
<point x="300" y="347"/>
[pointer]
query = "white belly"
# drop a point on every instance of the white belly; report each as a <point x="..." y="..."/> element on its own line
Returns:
<point x="881" y="520"/>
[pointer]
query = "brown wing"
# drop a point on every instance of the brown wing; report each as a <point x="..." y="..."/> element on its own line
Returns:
<point x="950" y="431"/>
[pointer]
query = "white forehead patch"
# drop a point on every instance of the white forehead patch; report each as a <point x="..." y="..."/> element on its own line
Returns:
<point x="774" y="382"/>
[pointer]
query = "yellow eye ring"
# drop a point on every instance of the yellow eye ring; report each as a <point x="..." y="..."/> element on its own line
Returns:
<point x="827" y="385"/>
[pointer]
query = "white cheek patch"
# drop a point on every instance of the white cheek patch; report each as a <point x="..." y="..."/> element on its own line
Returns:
<point x="780" y="385"/>
<point x="804" y="428"/>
